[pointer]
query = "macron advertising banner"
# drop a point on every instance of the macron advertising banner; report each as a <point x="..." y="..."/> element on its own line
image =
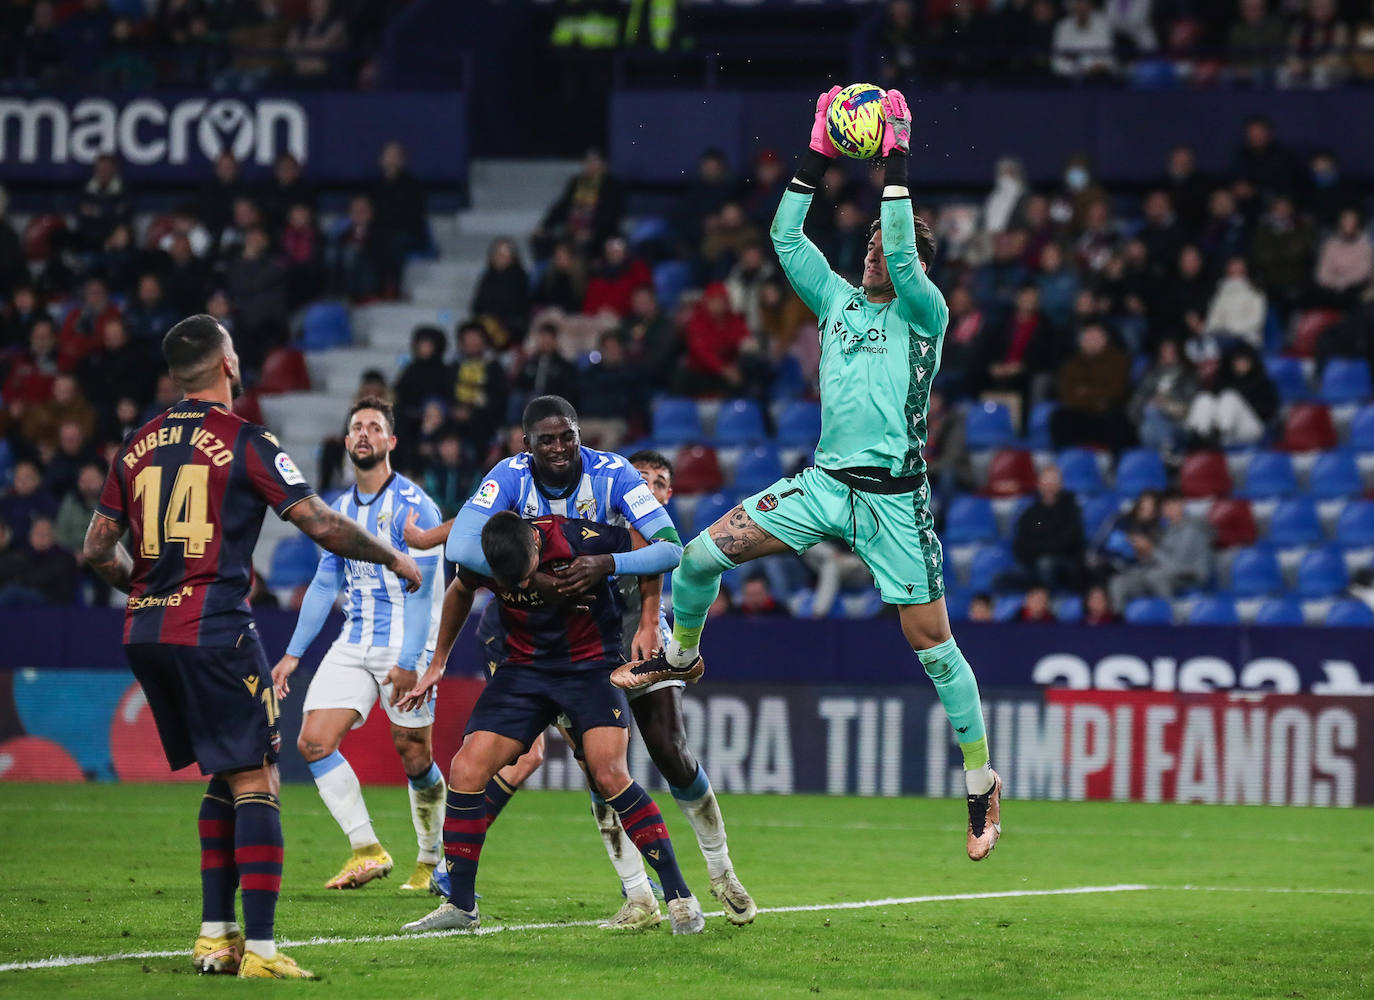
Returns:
<point x="175" y="136"/>
<point x="1257" y="716"/>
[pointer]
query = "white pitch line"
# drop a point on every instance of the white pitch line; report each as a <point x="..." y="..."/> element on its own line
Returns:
<point x="67" y="961"/>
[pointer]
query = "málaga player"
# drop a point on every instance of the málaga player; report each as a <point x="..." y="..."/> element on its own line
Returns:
<point x="880" y="349"/>
<point x="375" y="656"/>
<point x="191" y="487"/>
<point x="559" y="476"/>
<point x="556" y="660"/>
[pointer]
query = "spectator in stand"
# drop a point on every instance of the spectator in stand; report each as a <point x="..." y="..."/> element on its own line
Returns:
<point x="256" y="42"/>
<point x="1327" y="193"/>
<point x="1188" y="188"/>
<point x="1184" y="301"/>
<point x="1238" y="308"/>
<point x="1036" y="607"/>
<point x="1160" y="404"/>
<point x="165" y="394"/>
<point x="124" y="65"/>
<point x="894" y="40"/>
<point x="104" y="203"/>
<point x="40" y="53"/>
<point x="1127" y="538"/>
<point x="1224" y="234"/>
<point x="1082" y="44"/>
<point x="614" y="280"/>
<point x="244" y="215"/>
<point x="287" y="187"/>
<point x="425" y="377"/>
<point x="119" y="368"/>
<point x="612" y="392"/>
<point x="726" y="234"/>
<point x="357" y="258"/>
<point x="756" y="599"/>
<point x="41" y="422"/>
<point x="14" y="271"/>
<point x="563" y="285"/>
<point x="450" y="475"/>
<point x="586" y="214"/>
<point x="1255" y="43"/>
<point x="1099" y="237"/>
<point x="1346" y="262"/>
<point x="1048" y="538"/>
<point x="996" y="283"/>
<point x="30" y="379"/>
<point x="1282" y="254"/>
<point x="962" y="40"/>
<point x="257" y="288"/>
<point x="546" y="372"/>
<point x="84" y="326"/>
<point x="1236" y="402"/>
<point x="46" y="573"/>
<point x="17" y="317"/>
<point x="1094" y="386"/>
<point x="26" y="498"/>
<point x="706" y="193"/>
<point x="63" y="466"/>
<point x="1318" y="47"/>
<point x="1264" y="162"/>
<point x="980" y="608"/>
<point x="1097" y="607"/>
<point x="205" y="244"/>
<point x="846" y="245"/>
<point x="120" y="262"/>
<point x="400" y="203"/>
<point x="651" y="342"/>
<point x="303" y="252"/>
<point x="713" y="335"/>
<point x="1162" y="235"/>
<point x="74" y="513"/>
<point x="479" y="390"/>
<point x="214" y="202"/>
<point x="1132" y="24"/>
<point x="189" y="32"/>
<point x="962" y="357"/>
<point x="764" y="189"/>
<point x="1057" y="285"/>
<point x="836" y="567"/>
<point x="1007" y="197"/>
<point x="503" y="290"/>
<point x="1179" y="559"/>
<point x="316" y="46"/>
<point x="1362" y="46"/>
<point x="1019" y="356"/>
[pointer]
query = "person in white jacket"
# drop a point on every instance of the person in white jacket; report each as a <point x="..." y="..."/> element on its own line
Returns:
<point x="1083" y="42"/>
<point x="1238" y="307"/>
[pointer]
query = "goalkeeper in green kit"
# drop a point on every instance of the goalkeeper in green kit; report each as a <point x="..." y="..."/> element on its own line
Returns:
<point x="880" y="350"/>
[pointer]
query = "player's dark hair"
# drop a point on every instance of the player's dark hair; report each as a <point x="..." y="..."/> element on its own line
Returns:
<point x="653" y="459"/>
<point x="508" y="545"/>
<point x="190" y="346"/>
<point x="925" y="238"/>
<point x="374" y="403"/>
<point x="541" y="408"/>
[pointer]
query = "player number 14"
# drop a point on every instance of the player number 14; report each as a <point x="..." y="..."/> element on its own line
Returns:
<point x="186" y="519"/>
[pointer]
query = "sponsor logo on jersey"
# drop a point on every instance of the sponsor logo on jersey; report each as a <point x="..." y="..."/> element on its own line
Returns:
<point x="589" y="533"/>
<point x="486" y="494"/>
<point x="286" y="468"/>
<point x="640" y="499"/>
<point x="767" y="502"/>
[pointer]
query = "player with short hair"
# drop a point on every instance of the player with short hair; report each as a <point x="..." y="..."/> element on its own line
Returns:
<point x="880" y="350"/>
<point x="191" y="487"/>
<point x="554" y="473"/>
<point x="375" y="656"/>
<point x="556" y="659"/>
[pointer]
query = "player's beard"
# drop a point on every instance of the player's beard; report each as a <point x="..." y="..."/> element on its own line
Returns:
<point x="368" y="461"/>
<point x="880" y="290"/>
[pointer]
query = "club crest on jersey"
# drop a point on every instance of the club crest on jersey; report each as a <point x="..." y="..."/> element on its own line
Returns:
<point x="586" y="507"/>
<point x="486" y="494"/>
<point x="767" y="502"/>
<point x="286" y="468"/>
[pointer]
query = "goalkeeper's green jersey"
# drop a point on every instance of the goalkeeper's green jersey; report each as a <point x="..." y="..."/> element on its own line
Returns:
<point x="877" y="359"/>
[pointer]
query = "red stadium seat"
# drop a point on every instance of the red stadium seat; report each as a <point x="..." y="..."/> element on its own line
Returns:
<point x="697" y="470"/>
<point x="248" y="407"/>
<point x="1204" y="474"/>
<point x="283" y="370"/>
<point x="1011" y="473"/>
<point x="1310" y="326"/>
<point x="1233" y="523"/>
<point x="40" y="233"/>
<point x="1308" y="427"/>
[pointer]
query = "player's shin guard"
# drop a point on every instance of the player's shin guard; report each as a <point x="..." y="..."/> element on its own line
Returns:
<point x="958" y="691"/>
<point x="343" y="797"/>
<point x="258" y="855"/>
<point x="625" y="858"/>
<point x="465" y="830"/>
<point x="427" y="813"/>
<point x="497" y="796"/>
<point x="644" y="824"/>
<point x="696" y="582"/>
<point x="219" y="877"/>
<point x="698" y="803"/>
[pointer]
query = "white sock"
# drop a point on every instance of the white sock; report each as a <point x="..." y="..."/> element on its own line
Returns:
<point x="625" y="857"/>
<point x="263" y="949"/>
<point x="215" y="928"/>
<point x="979" y="780"/>
<point x="343" y="796"/>
<point x="678" y="655"/>
<point x="427" y="814"/>
<point x="698" y="804"/>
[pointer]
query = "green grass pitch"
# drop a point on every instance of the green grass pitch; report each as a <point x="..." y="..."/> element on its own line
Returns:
<point x="1283" y="904"/>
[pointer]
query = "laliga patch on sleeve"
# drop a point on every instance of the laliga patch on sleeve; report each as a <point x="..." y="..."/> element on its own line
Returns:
<point x="286" y="468"/>
<point x="640" y="500"/>
<point x="486" y="494"/>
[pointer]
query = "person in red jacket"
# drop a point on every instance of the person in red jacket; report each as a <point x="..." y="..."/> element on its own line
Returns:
<point x="713" y="335"/>
<point x="83" y="331"/>
<point x="613" y="284"/>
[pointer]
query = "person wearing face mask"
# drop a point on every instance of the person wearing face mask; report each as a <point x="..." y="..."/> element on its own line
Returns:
<point x="1079" y="192"/>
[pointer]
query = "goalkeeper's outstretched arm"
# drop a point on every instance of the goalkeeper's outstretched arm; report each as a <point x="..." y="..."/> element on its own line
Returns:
<point x="916" y="293"/>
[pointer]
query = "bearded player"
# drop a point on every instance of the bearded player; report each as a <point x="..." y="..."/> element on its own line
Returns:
<point x="880" y="349"/>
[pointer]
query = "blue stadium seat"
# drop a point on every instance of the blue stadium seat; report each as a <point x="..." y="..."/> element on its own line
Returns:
<point x="671" y="279"/>
<point x="1295" y="522"/>
<point x="956" y="604"/>
<point x="1078" y="467"/>
<point x="1038" y="427"/>
<point x="799" y="424"/>
<point x="1279" y="611"/>
<point x="1138" y="470"/>
<point x="1361" y="434"/>
<point x="6" y="463"/>
<point x="1346" y="380"/>
<point x="969" y="519"/>
<point x="1334" y="475"/>
<point x="1288" y="377"/>
<point x="326" y="325"/>
<point x="1069" y="608"/>
<point x="789" y="381"/>
<point x="1098" y="513"/>
<point x="1355" y="526"/>
<point x="1007" y="608"/>
<point x="649" y="229"/>
<point x="1255" y="572"/>
<point x="1212" y="609"/>
<point x="987" y="562"/>
<point x="1149" y="611"/>
<point x="987" y="425"/>
<point x="1321" y="573"/>
<point x="676" y="421"/>
<point x="1350" y="613"/>
<point x="293" y="562"/>
<point x="759" y="467"/>
<point x="740" y="421"/>
<point x="710" y="509"/>
<point x="1270" y="475"/>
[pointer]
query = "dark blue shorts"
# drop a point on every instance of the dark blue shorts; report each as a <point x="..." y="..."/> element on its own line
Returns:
<point x="213" y="707"/>
<point x="521" y="701"/>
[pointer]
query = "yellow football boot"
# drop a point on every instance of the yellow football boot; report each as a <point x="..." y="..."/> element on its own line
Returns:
<point x="218" y="955"/>
<point x="279" y="966"/>
<point x="366" y="864"/>
<point x="420" y="878"/>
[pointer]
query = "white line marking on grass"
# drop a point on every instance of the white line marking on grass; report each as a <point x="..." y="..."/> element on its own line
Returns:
<point x="1242" y="888"/>
<point x="66" y="961"/>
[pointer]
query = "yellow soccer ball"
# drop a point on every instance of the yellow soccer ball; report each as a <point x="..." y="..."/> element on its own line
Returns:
<point x="855" y="120"/>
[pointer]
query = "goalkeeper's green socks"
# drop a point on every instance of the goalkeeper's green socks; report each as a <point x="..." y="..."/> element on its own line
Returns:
<point x="958" y="691"/>
<point x="696" y="582"/>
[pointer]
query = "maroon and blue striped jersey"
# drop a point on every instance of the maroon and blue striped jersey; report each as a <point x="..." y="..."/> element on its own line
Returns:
<point x="541" y="635"/>
<point x="193" y="485"/>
